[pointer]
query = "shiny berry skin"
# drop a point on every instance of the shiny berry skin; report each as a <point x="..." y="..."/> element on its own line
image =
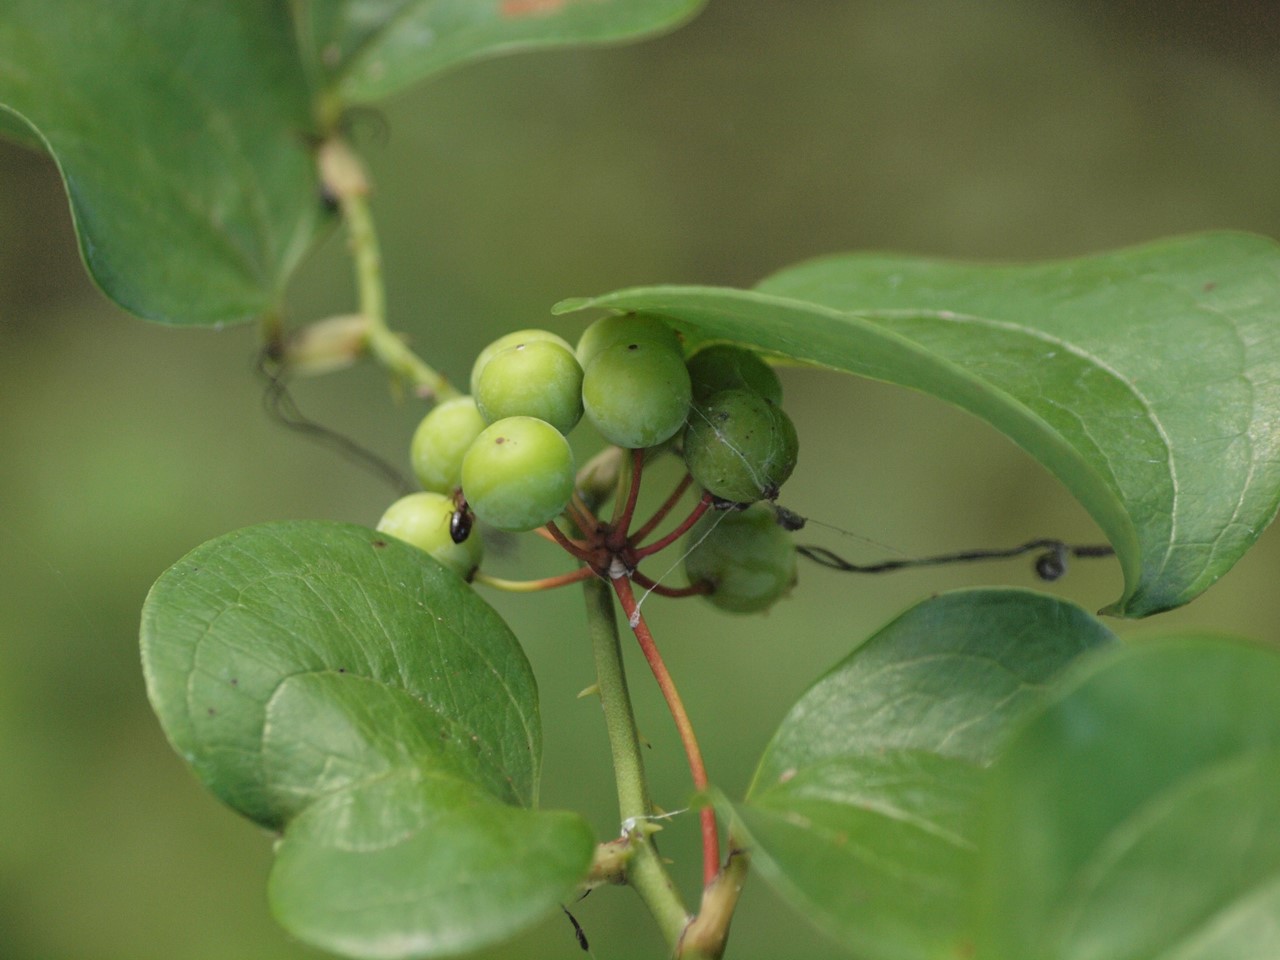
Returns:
<point x="441" y="441"/>
<point x="510" y="340"/>
<point x="518" y="474"/>
<point x="746" y="557"/>
<point x="627" y="327"/>
<point x="723" y="366"/>
<point x="637" y="393"/>
<point x="424" y="520"/>
<point x="537" y="378"/>
<point x="739" y="446"/>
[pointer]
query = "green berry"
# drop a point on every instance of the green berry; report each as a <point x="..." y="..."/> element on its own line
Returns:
<point x="442" y="440"/>
<point x="627" y="327"/>
<point x="422" y="519"/>
<point x="518" y="474"/>
<point x="723" y="366"/>
<point x="538" y="378"/>
<point x="511" y="340"/>
<point x="749" y="561"/>
<point x="739" y="446"/>
<point x="636" y="393"/>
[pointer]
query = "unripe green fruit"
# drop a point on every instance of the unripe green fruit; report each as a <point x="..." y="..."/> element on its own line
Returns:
<point x="623" y="328"/>
<point x="637" y="393"/>
<point x="539" y="378"/>
<point x="441" y="441"/>
<point x="747" y="558"/>
<point x="739" y="446"/>
<point x="511" y="340"/>
<point x="723" y="366"/>
<point x="422" y="519"/>
<point x="518" y="474"/>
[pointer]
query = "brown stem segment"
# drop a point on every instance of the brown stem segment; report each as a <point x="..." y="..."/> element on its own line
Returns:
<point x="661" y="513"/>
<point x="622" y="519"/>
<point x="710" y="834"/>
<point x="703" y="506"/>
<point x="574" y="547"/>
<point x="693" y="590"/>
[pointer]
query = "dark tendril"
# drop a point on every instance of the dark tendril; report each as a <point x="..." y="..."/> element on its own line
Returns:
<point x="1050" y="564"/>
<point x="283" y="409"/>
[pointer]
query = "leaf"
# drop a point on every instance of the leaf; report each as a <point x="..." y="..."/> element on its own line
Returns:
<point x="362" y="51"/>
<point x="180" y="129"/>
<point x="1147" y="380"/>
<point x="1136" y="815"/>
<point x="16" y="130"/>
<point x="344" y="688"/>
<point x="860" y="811"/>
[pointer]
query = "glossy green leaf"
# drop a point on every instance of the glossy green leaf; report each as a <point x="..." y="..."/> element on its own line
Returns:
<point x="16" y="130"/>
<point x="861" y="810"/>
<point x="1137" y="815"/>
<point x="361" y="51"/>
<point x="344" y="688"/>
<point x="1147" y="380"/>
<point x="181" y="131"/>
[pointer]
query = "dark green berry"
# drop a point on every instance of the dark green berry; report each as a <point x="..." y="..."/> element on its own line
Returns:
<point x="723" y="366"/>
<point x="739" y="446"/>
<point x="748" y="560"/>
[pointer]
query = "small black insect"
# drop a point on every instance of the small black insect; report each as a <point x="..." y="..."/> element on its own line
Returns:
<point x="461" y="522"/>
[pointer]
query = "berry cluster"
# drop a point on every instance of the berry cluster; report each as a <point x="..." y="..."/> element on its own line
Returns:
<point x="502" y="454"/>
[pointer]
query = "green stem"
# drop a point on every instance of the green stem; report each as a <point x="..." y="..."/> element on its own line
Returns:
<point x="344" y="177"/>
<point x="645" y="872"/>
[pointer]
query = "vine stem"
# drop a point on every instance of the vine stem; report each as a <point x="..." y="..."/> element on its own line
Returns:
<point x="702" y="507"/>
<point x="698" y="770"/>
<point x="661" y="513"/>
<point x="533" y="586"/>
<point x="645" y="871"/>
<point x="344" y="178"/>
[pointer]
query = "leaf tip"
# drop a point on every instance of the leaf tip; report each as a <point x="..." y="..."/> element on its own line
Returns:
<point x="571" y="305"/>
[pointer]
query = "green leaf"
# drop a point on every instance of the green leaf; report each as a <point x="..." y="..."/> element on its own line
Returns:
<point x="343" y="687"/>
<point x="860" y="812"/>
<point x="1136" y="815"/>
<point x="16" y="130"/>
<point x="362" y="51"/>
<point x="181" y="131"/>
<point x="1147" y="380"/>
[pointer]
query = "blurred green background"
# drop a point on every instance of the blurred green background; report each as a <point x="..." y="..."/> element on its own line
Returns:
<point x="761" y="134"/>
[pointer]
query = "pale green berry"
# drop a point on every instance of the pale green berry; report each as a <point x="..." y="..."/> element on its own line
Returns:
<point x="623" y="328"/>
<point x="422" y="519"/>
<point x="510" y="340"/>
<point x="739" y="446"/>
<point x="441" y="441"/>
<point x="746" y="557"/>
<point x="518" y="474"/>
<point x="538" y="378"/>
<point x="636" y="393"/>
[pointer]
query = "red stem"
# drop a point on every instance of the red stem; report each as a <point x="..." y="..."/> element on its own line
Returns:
<point x="703" y="505"/>
<point x="710" y="835"/>
<point x="622" y="519"/>
<point x="575" y="547"/>
<point x="661" y="513"/>
<point x="693" y="590"/>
